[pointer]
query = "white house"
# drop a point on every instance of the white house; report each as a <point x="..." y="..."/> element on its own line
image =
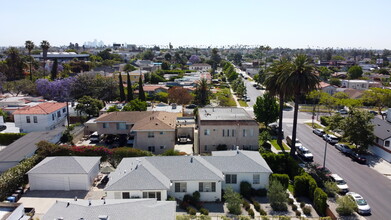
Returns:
<point x="42" y="117"/>
<point x="327" y="88"/>
<point x="200" y="66"/>
<point x="355" y="84"/>
<point x="64" y="173"/>
<point x="159" y="177"/>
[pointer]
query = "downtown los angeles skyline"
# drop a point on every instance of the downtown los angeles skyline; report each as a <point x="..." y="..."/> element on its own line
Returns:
<point x="283" y="23"/>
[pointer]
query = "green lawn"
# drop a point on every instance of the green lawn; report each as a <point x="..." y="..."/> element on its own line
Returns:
<point x="243" y="103"/>
<point x="290" y="188"/>
<point x="315" y="125"/>
<point x="275" y="145"/>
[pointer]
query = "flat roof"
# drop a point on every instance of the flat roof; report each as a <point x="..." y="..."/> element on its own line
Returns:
<point x="213" y="114"/>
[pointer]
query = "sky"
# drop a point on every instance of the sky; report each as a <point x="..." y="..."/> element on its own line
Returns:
<point x="277" y="23"/>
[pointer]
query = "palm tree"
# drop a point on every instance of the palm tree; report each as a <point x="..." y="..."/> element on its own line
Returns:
<point x="300" y="80"/>
<point x="29" y="45"/>
<point x="45" y="45"/>
<point x="275" y="71"/>
<point x="202" y="92"/>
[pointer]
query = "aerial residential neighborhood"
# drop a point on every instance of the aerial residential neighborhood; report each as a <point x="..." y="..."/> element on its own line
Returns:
<point x="176" y="110"/>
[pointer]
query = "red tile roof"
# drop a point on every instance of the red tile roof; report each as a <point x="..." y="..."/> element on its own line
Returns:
<point x="40" y="109"/>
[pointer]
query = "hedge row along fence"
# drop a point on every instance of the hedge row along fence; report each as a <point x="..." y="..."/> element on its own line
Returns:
<point x="8" y="138"/>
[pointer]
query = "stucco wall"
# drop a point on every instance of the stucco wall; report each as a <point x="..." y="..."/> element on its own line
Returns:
<point x="166" y="139"/>
<point x="193" y="186"/>
<point x="264" y="181"/>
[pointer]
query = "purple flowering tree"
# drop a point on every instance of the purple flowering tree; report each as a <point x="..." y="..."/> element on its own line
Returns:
<point x="194" y="59"/>
<point x="58" y="90"/>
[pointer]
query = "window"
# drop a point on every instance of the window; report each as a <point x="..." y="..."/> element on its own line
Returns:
<point x="256" y="179"/>
<point x="35" y="119"/>
<point x="58" y="114"/>
<point x="223" y="132"/>
<point x="206" y="148"/>
<point x="28" y="119"/>
<point x="63" y="110"/>
<point x="206" y="132"/>
<point x="251" y="132"/>
<point x="180" y="187"/>
<point x="227" y="132"/>
<point x="105" y="125"/>
<point x="230" y="178"/>
<point x="53" y="117"/>
<point x="151" y="134"/>
<point x="161" y="132"/>
<point x="126" y="195"/>
<point x="233" y="132"/>
<point x="387" y="143"/>
<point x="156" y="195"/>
<point x="162" y="147"/>
<point x="151" y="148"/>
<point x="121" y="126"/>
<point x="207" y="187"/>
<point x="244" y="133"/>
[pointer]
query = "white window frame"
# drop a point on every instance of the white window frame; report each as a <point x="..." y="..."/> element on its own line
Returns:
<point x="182" y="187"/>
<point x="256" y="178"/>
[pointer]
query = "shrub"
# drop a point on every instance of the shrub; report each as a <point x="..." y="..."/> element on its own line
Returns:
<point x="246" y="205"/>
<point x="307" y="210"/>
<point x="265" y="218"/>
<point x="290" y="201"/>
<point x="304" y="185"/>
<point x="284" y="218"/>
<point x="251" y="213"/>
<point x="257" y="206"/>
<point x="320" y="201"/>
<point x="170" y="198"/>
<point x="324" y="120"/>
<point x="282" y="178"/>
<point x="302" y="204"/>
<point x="262" y="212"/>
<point x="312" y="185"/>
<point x="331" y="188"/>
<point x="233" y="200"/>
<point x="196" y="196"/>
<point x="204" y="217"/>
<point x="204" y="211"/>
<point x="259" y="192"/>
<point x="283" y="163"/>
<point x="298" y="213"/>
<point x="8" y="138"/>
<point x="294" y="207"/>
<point x="191" y="211"/>
<point x="244" y="218"/>
<point x="183" y="217"/>
<point x="245" y="189"/>
<point x="345" y="206"/>
<point x="277" y="196"/>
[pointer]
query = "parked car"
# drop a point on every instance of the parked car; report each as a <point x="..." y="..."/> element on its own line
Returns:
<point x="331" y="139"/>
<point x="289" y="141"/>
<point x="191" y="106"/>
<point x="342" y="112"/>
<point x="358" y="157"/>
<point x="341" y="184"/>
<point x="362" y="205"/>
<point x="247" y="99"/>
<point x="95" y="137"/>
<point x="343" y="148"/>
<point x="318" y="131"/>
<point x="373" y="112"/>
<point x="304" y="153"/>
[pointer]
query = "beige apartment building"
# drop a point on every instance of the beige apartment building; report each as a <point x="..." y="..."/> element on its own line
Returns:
<point x="226" y="128"/>
<point x="152" y="131"/>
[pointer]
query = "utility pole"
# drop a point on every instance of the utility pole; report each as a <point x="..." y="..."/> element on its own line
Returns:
<point x="325" y="151"/>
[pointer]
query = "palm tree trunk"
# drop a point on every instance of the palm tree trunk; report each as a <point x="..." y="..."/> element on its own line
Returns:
<point x="295" y="113"/>
<point x="280" y="134"/>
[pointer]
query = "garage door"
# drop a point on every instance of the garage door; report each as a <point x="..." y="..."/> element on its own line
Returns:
<point x="78" y="182"/>
<point x="46" y="182"/>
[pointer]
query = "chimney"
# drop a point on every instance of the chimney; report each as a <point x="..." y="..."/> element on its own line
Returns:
<point x="89" y="202"/>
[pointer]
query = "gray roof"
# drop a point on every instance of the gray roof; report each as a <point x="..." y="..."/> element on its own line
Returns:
<point x="114" y="209"/>
<point x="137" y="174"/>
<point x="65" y="165"/>
<point x="25" y="147"/>
<point x="238" y="161"/>
<point x="381" y="129"/>
<point x="212" y="114"/>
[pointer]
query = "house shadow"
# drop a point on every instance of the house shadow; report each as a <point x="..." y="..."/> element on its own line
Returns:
<point x="55" y="194"/>
<point x="373" y="160"/>
<point x="215" y="207"/>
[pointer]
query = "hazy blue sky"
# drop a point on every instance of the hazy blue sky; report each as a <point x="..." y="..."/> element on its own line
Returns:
<point x="278" y="23"/>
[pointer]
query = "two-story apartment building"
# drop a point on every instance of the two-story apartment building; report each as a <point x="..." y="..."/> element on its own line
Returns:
<point x="42" y="117"/>
<point x="152" y="131"/>
<point x="200" y="66"/>
<point x="230" y="127"/>
<point x="162" y="176"/>
<point x="355" y="84"/>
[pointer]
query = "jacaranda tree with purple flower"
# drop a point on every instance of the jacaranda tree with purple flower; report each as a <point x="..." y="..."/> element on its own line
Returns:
<point x="59" y="90"/>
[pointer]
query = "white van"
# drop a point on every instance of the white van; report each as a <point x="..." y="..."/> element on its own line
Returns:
<point x="94" y="137"/>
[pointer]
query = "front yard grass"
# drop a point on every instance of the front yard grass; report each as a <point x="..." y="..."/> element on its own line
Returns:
<point x="315" y="125"/>
<point x="243" y="103"/>
<point x="275" y="145"/>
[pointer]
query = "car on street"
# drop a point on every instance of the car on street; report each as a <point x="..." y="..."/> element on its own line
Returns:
<point x="95" y="137"/>
<point x="342" y="111"/>
<point x="341" y="184"/>
<point x="318" y="131"/>
<point x="362" y="205"/>
<point x="358" y="157"/>
<point x="304" y="153"/>
<point x="331" y="139"/>
<point x="343" y="148"/>
<point x="247" y="99"/>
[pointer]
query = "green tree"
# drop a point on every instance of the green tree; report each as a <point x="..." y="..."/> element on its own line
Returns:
<point x="54" y="71"/>
<point x="233" y="200"/>
<point x="112" y="108"/>
<point x="29" y="45"/>
<point x="301" y="79"/>
<point x="135" y="105"/>
<point x="324" y="73"/>
<point x="121" y="88"/>
<point x="16" y="87"/>
<point x="202" y="92"/>
<point x="129" y="88"/>
<point x="358" y="129"/>
<point x="147" y="55"/>
<point x="378" y="97"/>
<point x="335" y="82"/>
<point x="45" y="45"/>
<point x="266" y="109"/>
<point x="89" y="106"/>
<point x="129" y="68"/>
<point x="165" y="65"/>
<point x="277" y="196"/>
<point x="355" y="72"/>
<point x="13" y="65"/>
<point x="141" y="93"/>
<point x="215" y="59"/>
<point x="346" y="206"/>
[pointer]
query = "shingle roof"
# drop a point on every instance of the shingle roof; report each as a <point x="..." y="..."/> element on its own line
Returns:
<point x="381" y="129"/>
<point x="138" y="209"/>
<point x="40" y="109"/>
<point x="143" y="120"/>
<point x="65" y="165"/>
<point x="238" y="161"/>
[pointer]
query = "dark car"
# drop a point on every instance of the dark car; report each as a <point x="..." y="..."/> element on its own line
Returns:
<point x="373" y="112"/>
<point x="191" y="106"/>
<point x="358" y="158"/>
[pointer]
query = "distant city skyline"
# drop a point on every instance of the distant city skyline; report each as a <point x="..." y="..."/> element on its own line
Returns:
<point x="283" y="23"/>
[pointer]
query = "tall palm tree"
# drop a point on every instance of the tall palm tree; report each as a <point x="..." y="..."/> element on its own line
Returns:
<point x="202" y="92"/>
<point x="300" y="80"/>
<point x="45" y="45"/>
<point x="276" y="71"/>
<point x="29" y="45"/>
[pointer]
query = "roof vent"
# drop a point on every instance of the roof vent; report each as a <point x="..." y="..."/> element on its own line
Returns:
<point x="191" y="159"/>
<point x="103" y="217"/>
<point x="67" y="203"/>
<point x="89" y="202"/>
<point x="75" y="198"/>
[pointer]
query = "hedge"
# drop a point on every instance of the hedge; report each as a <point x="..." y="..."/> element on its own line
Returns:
<point x="245" y="189"/>
<point x="283" y="164"/>
<point x="304" y="185"/>
<point x="324" y="120"/>
<point x="14" y="177"/>
<point x="282" y="178"/>
<point x="8" y="138"/>
<point x="320" y="201"/>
